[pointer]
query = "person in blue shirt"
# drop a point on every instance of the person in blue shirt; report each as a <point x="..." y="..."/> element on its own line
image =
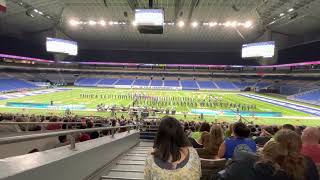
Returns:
<point x="238" y="142"/>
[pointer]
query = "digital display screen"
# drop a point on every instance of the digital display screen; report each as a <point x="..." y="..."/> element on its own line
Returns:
<point x="260" y="49"/>
<point x="149" y="17"/>
<point x="62" y="46"/>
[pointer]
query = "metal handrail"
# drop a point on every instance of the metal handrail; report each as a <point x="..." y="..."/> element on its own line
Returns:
<point x="15" y="139"/>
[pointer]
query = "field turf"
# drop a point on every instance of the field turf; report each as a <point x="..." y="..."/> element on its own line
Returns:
<point x="73" y="97"/>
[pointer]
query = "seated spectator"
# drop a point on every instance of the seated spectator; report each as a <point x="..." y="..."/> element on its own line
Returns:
<point x="288" y="126"/>
<point x="9" y="128"/>
<point x="211" y="142"/>
<point x="55" y="126"/>
<point x="238" y="143"/>
<point x="94" y="134"/>
<point x="63" y="141"/>
<point x="297" y="166"/>
<point x="204" y="127"/>
<point x="84" y="137"/>
<point x="172" y="157"/>
<point x="280" y="159"/>
<point x="265" y="136"/>
<point x="34" y="127"/>
<point x="229" y="131"/>
<point x="310" y="143"/>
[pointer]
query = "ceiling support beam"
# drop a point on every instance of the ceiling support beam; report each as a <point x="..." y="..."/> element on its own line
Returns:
<point x="194" y="3"/>
<point x="177" y="8"/>
<point x="133" y="4"/>
<point x="105" y="3"/>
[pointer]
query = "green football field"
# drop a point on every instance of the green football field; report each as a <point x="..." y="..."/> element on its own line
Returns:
<point x="168" y="99"/>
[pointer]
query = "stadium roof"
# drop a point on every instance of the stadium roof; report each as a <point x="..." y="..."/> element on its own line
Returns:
<point x="287" y="17"/>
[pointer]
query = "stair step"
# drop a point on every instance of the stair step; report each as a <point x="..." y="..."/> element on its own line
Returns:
<point x="126" y="162"/>
<point x="122" y="170"/>
<point x="130" y="158"/>
<point x="120" y="178"/>
<point x="125" y="175"/>
<point x="146" y="149"/>
<point x="130" y="167"/>
<point x="138" y="155"/>
<point x="134" y="158"/>
<point x="138" y="152"/>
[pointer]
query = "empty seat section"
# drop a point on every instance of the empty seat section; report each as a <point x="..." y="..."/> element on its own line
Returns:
<point x="206" y="85"/>
<point x="261" y="85"/>
<point x="125" y="82"/>
<point x="141" y="82"/>
<point x="189" y="85"/>
<point x="108" y="81"/>
<point x="87" y="81"/>
<point x="156" y="83"/>
<point x="312" y="96"/>
<point x="225" y="85"/>
<point x="172" y="83"/>
<point x="14" y="85"/>
<point x="243" y="85"/>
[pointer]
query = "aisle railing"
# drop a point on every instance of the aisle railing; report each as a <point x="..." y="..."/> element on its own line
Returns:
<point x="71" y="133"/>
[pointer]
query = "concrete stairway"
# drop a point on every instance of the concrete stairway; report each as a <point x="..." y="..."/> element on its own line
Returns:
<point x="131" y="165"/>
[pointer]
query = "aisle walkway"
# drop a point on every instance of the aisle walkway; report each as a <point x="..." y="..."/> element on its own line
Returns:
<point x="131" y="165"/>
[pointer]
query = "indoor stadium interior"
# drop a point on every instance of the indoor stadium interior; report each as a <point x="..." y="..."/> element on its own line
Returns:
<point x="160" y="89"/>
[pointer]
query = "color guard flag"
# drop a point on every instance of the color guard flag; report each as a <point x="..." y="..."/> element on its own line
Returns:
<point x="3" y="6"/>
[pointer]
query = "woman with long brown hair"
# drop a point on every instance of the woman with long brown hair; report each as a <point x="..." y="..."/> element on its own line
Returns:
<point x="173" y="156"/>
<point x="280" y="159"/>
<point x="211" y="142"/>
<point x="296" y="165"/>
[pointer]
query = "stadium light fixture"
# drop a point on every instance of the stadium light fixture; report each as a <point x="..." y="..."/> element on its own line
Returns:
<point x="211" y="24"/>
<point x="233" y="24"/>
<point x="247" y="24"/>
<point x="194" y="24"/>
<point x="282" y="14"/>
<point x="227" y="24"/>
<point x="290" y="10"/>
<point x="92" y="23"/>
<point x="102" y="23"/>
<point x="180" y="23"/>
<point x="73" y="22"/>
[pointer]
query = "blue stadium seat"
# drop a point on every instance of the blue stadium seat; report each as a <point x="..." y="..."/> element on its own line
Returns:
<point x="225" y="85"/>
<point x="312" y="97"/>
<point x="156" y="83"/>
<point x="189" y="85"/>
<point x="261" y="85"/>
<point x="171" y="83"/>
<point x="141" y="82"/>
<point x="207" y="85"/>
<point x="7" y="85"/>
<point x="91" y="82"/>
<point x="107" y="81"/>
<point x="242" y="85"/>
<point x="125" y="82"/>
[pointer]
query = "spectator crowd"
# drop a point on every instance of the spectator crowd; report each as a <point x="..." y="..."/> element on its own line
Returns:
<point x="284" y="152"/>
<point x="250" y="151"/>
